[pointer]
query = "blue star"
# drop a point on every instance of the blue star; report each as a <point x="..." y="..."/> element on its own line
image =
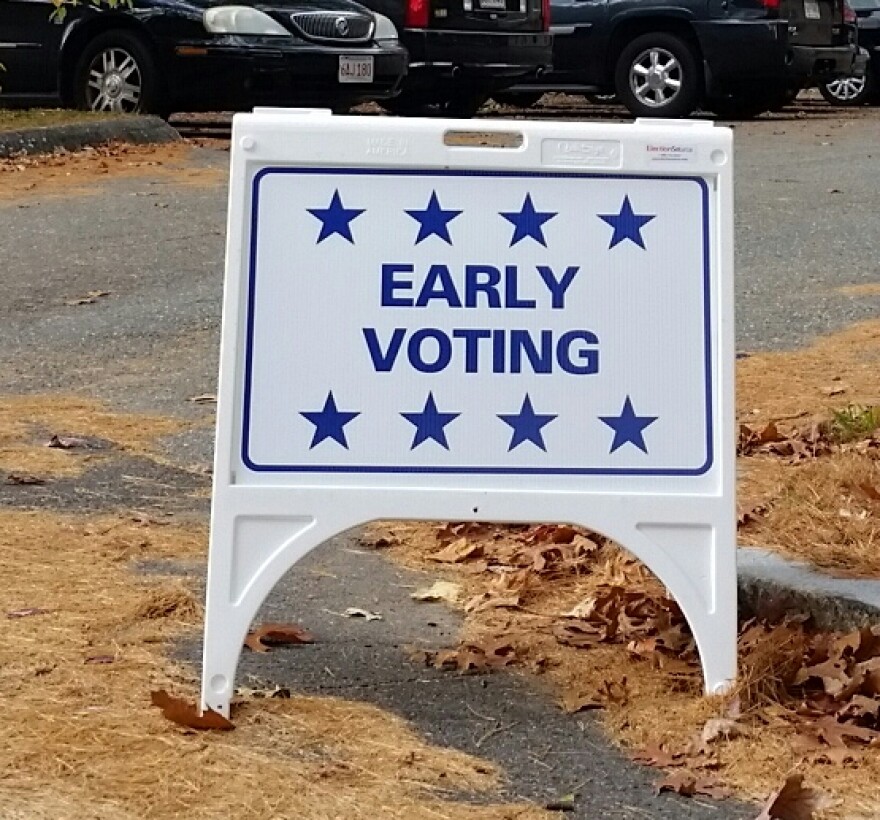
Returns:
<point x="626" y="224"/>
<point x="628" y="427"/>
<point x="434" y="220"/>
<point x="527" y="222"/>
<point x="336" y="218"/>
<point x="329" y="422"/>
<point x="430" y="423"/>
<point x="526" y="425"/>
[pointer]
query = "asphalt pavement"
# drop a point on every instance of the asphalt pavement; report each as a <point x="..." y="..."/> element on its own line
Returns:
<point x="807" y="201"/>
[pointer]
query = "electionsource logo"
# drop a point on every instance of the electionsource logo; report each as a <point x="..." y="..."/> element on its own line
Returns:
<point x="671" y="153"/>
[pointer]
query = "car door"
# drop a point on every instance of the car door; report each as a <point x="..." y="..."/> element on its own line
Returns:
<point x="577" y="27"/>
<point x="29" y="43"/>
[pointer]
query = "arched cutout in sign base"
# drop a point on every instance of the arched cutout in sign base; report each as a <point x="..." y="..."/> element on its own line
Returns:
<point x="423" y="329"/>
<point x="685" y="548"/>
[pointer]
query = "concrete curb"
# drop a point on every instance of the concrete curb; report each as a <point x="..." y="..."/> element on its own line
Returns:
<point x="771" y="586"/>
<point x="79" y="134"/>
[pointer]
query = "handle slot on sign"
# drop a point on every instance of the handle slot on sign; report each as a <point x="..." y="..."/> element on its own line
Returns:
<point x="483" y="139"/>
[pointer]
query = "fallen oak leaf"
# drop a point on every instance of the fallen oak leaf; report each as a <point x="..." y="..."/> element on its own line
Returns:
<point x="25" y="479"/>
<point x="438" y="591"/>
<point x="27" y="612"/>
<point x="66" y="442"/>
<point x="836" y="734"/>
<point x="572" y="702"/>
<point x="458" y="551"/>
<point x="89" y="299"/>
<point x="655" y="755"/>
<point x="185" y="714"/>
<point x="687" y="785"/>
<point x="355" y="612"/>
<point x="794" y="801"/>
<point x="716" y="728"/>
<point x="264" y="637"/>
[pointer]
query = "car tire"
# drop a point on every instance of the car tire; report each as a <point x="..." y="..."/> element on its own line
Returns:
<point x="848" y="91"/>
<point x="523" y="99"/>
<point x="659" y="75"/>
<point x="117" y="73"/>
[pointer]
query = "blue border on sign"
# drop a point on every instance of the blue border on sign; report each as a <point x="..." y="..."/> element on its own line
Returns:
<point x="390" y="469"/>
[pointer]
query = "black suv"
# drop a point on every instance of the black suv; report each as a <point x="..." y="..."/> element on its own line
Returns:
<point x="462" y="50"/>
<point x="664" y="58"/>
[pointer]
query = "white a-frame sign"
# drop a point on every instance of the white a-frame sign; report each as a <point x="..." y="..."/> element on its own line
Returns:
<point x="529" y="323"/>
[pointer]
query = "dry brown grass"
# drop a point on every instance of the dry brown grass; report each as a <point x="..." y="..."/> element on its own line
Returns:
<point x="811" y="382"/>
<point x="815" y="511"/>
<point x="80" y="739"/>
<point x="28" y="422"/>
<point x="651" y="704"/>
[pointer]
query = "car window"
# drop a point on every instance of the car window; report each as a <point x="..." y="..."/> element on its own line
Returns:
<point x="864" y="4"/>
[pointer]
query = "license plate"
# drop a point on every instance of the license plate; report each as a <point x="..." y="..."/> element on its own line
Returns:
<point x="355" y="69"/>
<point x="493" y="5"/>
<point x="812" y="10"/>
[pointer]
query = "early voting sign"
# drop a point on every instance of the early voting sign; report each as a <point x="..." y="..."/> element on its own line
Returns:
<point x="528" y="322"/>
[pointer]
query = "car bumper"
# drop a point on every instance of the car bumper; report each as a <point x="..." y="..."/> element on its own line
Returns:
<point x="772" y="58"/>
<point x="212" y="76"/>
<point x="487" y="55"/>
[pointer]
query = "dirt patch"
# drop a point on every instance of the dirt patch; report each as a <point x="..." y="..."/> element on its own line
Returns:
<point x="531" y="602"/>
<point x="85" y="432"/>
<point x="83" y="646"/>
<point x="73" y="173"/>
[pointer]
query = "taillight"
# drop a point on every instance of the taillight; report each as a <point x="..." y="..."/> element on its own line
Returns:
<point x="771" y="5"/>
<point x="417" y="13"/>
<point x="545" y="14"/>
<point x="849" y="15"/>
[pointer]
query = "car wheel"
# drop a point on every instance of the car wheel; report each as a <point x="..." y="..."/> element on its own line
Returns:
<point x="847" y="90"/>
<point x="658" y="75"/>
<point x="520" y="100"/>
<point x="116" y="73"/>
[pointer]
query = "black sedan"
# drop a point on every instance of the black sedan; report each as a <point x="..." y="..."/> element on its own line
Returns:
<point x="860" y="89"/>
<point x="162" y="56"/>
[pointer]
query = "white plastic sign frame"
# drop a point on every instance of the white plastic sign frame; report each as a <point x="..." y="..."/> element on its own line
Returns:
<point x="418" y="326"/>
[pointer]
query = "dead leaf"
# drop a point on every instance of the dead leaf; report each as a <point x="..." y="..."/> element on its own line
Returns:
<point x="836" y="734"/>
<point x="655" y="755"/>
<point x="98" y="659"/>
<point x="871" y="491"/>
<point x="687" y="785"/>
<point x="27" y="612"/>
<point x="458" y="551"/>
<point x="794" y="801"/>
<point x="89" y="299"/>
<point x="572" y="702"/>
<point x="24" y="479"/>
<point x="438" y="591"/>
<point x="355" y="612"/>
<point x="204" y="398"/>
<point x="264" y="637"/>
<point x="185" y="714"/>
<point x="66" y="442"/>
<point x="716" y="728"/>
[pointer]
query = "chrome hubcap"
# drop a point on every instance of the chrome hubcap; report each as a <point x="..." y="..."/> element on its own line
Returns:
<point x="114" y="82"/>
<point x="655" y="77"/>
<point x="846" y="89"/>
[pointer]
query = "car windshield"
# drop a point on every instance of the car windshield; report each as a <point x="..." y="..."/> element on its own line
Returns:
<point x="864" y="4"/>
